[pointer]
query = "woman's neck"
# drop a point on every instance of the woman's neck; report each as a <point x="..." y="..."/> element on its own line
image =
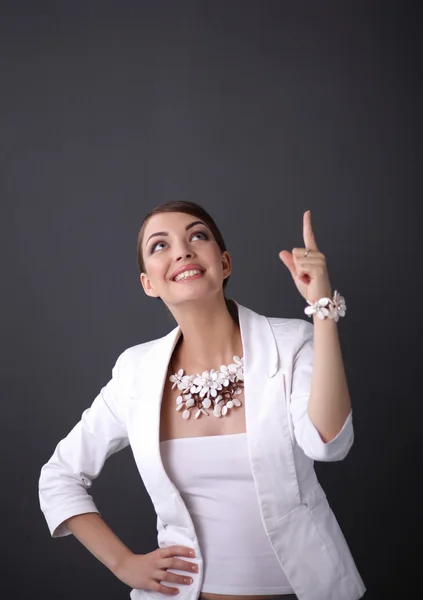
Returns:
<point x="210" y="338"/>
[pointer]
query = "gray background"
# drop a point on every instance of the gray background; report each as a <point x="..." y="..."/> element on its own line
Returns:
<point x="258" y="111"/>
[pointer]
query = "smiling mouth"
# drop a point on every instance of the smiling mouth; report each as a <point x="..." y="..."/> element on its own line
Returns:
<point x="187" y="275"/>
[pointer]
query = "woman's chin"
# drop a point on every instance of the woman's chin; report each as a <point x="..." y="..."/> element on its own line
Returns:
<point x="192" y="294"/>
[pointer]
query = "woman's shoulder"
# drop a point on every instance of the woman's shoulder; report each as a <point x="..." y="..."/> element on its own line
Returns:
<point x="133" y="354"/>
<point x="287" y="330"/>
<point x="132" y="361"/>
<point x="294" y="329"/>
<point x="289" y="323"/>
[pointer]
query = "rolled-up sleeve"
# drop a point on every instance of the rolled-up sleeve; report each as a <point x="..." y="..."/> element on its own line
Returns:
<point x="306" y="434"/>
<point x="79" y="458"/>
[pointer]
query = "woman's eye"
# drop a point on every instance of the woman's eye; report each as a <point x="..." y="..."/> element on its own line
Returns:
<point x="201" y="233"/>
<point x="155" y="247"/>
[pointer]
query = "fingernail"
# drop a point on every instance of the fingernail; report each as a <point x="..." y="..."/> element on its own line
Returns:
<point x="192" y="553"/>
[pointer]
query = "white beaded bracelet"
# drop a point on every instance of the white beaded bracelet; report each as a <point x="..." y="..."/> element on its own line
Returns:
<point x="326" y="308"/>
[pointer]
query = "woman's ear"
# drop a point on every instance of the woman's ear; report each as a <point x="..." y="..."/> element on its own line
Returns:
<point x="147" y="286"/>
<point x="226" y="264"/>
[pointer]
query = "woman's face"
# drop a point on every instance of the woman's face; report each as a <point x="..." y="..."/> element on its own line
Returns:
<point x="176" y="243"/>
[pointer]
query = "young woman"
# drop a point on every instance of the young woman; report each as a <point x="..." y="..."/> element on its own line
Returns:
<point x="225" y="416"/>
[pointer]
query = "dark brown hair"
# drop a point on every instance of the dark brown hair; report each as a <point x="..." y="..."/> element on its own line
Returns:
<point x="189" y="208"/>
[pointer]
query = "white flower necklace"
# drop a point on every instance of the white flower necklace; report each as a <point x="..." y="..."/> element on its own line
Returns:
<point x="212" y="389"/>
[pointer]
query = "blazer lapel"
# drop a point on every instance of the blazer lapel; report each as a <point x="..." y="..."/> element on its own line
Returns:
<point x="267" y="411"/>
<point x="145" y="406"/>
<point x="261" y="363"/>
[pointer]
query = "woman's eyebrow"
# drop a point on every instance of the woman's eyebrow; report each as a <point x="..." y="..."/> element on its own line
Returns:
<point x="166" y="233"/>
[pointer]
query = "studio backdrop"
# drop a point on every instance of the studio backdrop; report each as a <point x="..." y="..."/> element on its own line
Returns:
<point x="258" y="111"/>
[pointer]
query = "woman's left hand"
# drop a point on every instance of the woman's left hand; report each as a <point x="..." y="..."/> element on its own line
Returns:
<point x="309" y="273"/>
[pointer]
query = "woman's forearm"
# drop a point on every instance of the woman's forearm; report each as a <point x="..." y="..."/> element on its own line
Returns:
<point x="329" y="402"/>
<point x="94" y="533"/>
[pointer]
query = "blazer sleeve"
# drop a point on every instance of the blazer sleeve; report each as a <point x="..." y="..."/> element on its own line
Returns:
<point x="306" y="434"/>
<point x="80" y="456"/>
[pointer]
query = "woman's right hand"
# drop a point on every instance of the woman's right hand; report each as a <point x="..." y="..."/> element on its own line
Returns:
<point x="146" y="571"/>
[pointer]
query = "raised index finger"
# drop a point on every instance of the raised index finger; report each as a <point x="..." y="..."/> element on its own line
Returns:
<point x="308" y="235"/>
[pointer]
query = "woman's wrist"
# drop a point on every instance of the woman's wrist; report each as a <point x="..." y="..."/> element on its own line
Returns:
<point x="119" y="565"/>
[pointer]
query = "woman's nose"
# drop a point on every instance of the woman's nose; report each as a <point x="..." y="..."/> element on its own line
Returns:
<point x="184" y="254"/>
<point x="183" y="250"/>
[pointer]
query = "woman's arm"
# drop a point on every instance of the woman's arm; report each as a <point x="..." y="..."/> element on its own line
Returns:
<point x="329" y="404"/>
<point x="94" y="533"/>
<point x="322" y="420"/>
<point x="323" y="427"/>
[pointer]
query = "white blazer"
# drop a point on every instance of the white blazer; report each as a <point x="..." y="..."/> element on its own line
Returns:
<point x="282" y="442"/>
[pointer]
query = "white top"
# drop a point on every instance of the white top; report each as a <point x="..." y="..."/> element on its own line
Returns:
<point x="213" y="475"/>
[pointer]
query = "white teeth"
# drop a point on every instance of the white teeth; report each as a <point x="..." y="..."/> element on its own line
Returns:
<point x="186" y="274"/>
